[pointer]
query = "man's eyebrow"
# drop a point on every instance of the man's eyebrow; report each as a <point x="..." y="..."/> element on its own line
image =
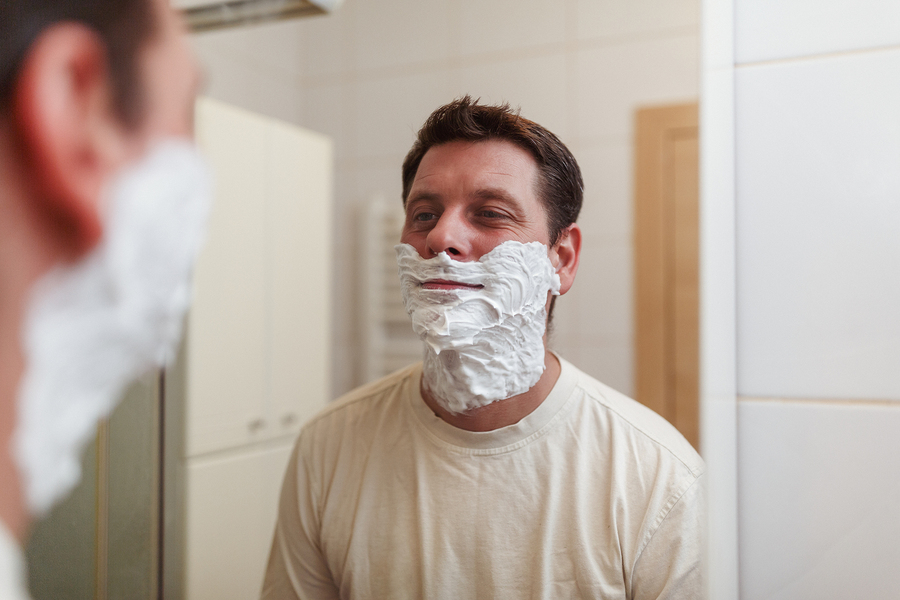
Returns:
<point x="423" y="195"/>
<point x="492" y="193"/>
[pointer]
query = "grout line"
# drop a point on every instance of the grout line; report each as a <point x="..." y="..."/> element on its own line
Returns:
<point x="636" y="37"/>
<point x="371" y="162"/>
<point x="455" y="61"/>
<point x="431" y="66"/>
<point x="571" y="65"/>
<point x="815" y="57"/>
<point x="822" y="401"/>
<point x="242" y="57"/>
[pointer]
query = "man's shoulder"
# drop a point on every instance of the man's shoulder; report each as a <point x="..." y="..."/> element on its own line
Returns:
<point x="636" y="421"/>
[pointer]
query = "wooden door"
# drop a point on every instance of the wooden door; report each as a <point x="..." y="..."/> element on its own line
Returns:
<point x="666" y="254"/>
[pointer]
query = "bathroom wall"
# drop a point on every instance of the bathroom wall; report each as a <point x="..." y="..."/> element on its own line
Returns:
<point x="816" y="191"/>
<point x="369" y="74"/>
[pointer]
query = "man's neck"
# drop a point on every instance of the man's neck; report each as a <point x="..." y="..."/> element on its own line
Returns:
<point x="12" y="507"/>
<point x="502" y="412"/>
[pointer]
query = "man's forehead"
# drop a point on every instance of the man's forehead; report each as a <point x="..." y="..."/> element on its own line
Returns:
<point x="491" y="160"/>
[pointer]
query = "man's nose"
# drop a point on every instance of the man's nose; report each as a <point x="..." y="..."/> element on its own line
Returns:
<point x="448" y="235"/>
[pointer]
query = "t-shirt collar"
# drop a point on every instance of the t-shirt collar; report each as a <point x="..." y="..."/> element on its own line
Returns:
<point x="506" y="438"/>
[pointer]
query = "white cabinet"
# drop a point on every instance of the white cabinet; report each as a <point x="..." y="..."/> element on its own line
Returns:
<point x="257" y="345"/>
<point x="232" y="519"/>
<point x="258" y="335"/>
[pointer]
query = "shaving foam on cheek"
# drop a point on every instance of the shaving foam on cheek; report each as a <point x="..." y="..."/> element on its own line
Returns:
<point x="93" y="326"/>
<point x="485" y="342"/>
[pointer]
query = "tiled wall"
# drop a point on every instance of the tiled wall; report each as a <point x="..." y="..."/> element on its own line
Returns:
<point x="369" y="75"/>
<point x="817" y="147"/>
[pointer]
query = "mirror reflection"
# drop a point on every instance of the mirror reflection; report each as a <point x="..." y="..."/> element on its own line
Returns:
<point x="367" y="76"/>
<point x="306" y="122"/>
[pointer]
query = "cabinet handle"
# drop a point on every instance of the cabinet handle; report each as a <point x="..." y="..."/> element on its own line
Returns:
<point x="288" y="419"/>
<point x="255" y="425"/>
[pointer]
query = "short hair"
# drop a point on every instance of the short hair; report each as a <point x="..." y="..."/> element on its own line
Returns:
<point x="560" y="186"/>
<point x="124" y="26"/>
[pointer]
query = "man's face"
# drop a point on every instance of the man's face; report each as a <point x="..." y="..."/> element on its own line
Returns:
<point x="95" y="323"/>
<point x="468" y="197"/>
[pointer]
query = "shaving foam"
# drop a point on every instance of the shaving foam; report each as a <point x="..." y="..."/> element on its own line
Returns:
<point x="93" y="326"/>
<point x="484" y="344"/>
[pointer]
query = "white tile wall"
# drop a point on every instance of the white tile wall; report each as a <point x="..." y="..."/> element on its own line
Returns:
<point x="281" y="39"/>
<point x="606" y="216"/>
<point x="328" y="45"/>
<point x="344" y="336"/>
<point x="603" y="288"/>
<point x="391" y="110"/>
<point x="818" y="256"/>
<point x="618" y="18"/>
<point x="820" y="500"/>
<point x="382" y="178"/>
<point x="609" y="362"/>
<point x="501" y="25"/>
<point x="513" y="81"/>
<point x="611" y="81"/>
<point x="392" y="33"/>
<point x="777" y="29"/>
<point x="329" y="109"/>
<point x="239" y="79"/>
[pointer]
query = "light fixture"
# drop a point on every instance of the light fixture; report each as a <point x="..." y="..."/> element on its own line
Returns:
<point x="205" y="15"/>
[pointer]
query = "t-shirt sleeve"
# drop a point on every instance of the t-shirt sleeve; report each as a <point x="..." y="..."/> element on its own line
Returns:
<point x="669" y="567"/>
<point x="297" y="569"/>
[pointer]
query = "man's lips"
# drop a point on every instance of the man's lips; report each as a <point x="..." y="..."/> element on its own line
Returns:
<point x="443" y="284"/>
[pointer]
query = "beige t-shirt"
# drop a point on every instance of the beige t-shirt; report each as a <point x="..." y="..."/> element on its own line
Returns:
<point x="12" y="567"/>
<point x="592" y="495"/>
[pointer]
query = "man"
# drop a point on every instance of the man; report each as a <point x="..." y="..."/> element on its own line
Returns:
<point x="102" y="202"/>
<point x="493" y="469"/>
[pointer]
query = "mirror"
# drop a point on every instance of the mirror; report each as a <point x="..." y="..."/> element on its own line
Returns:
<point x="368" y="75"/>
<point x="365" y="78"/>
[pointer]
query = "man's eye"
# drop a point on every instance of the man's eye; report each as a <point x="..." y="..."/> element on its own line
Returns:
<point x="423" y="216"/>
<point x="490" y="214"/>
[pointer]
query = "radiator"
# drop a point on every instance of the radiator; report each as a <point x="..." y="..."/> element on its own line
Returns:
<point x="388" y="342"/>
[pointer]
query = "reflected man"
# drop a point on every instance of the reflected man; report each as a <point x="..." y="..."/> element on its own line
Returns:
<point x="493" y="468"/>
<point x="102" y="204"/>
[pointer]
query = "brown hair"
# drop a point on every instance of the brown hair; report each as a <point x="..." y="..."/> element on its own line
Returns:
<point x="123" y="25"/>
<point x="560" y="187"/>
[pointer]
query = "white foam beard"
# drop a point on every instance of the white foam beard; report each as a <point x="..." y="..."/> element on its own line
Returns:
<point x="92" y="327"/>
<point x="481" y="345"/>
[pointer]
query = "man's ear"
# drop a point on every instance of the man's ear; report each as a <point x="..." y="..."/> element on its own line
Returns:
<point x="62" y="107"/>
<point x="565" y="254"/>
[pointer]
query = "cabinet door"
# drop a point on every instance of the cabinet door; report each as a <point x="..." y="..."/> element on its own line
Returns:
<point x="232" y="504"/>
<point x="258" y="338"/>
<point x="299" y="189"/>
<point x="226" y="338"/>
